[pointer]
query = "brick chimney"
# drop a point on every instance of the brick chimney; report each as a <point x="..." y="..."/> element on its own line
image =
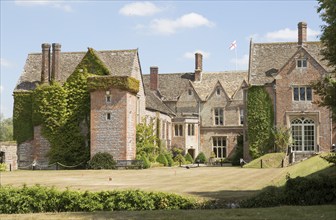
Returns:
<point x="302" y="33"/>
<point x="45" y="73"/>
<point x="198" y="66"/>
<point x="154" y="78"/>
<point x="56" y="53"/>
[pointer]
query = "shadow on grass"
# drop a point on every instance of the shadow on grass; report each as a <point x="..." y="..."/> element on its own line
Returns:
<point x="226" y="195"/>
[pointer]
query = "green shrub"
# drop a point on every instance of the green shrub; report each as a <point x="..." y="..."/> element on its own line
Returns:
<point x="239" y="151"/>
<point x="162" y="159"/>
<point x="42" y="199"/>
<point x="146" y="162"/>
<point x="102" y="160"/>
<point x="269" y="197"/>
<point x="201" y="157"/>
<point x="188" y="158"/>
<point x="2" y="167"/>
<point x="169" y="159"/>
<point x="180" y="159"/>
<point x="298" y="191"/>
<point x="310" y="191"/>
<point x="331" y="158"/>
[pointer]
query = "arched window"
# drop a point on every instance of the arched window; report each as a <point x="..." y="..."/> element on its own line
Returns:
<point x="303" y="134"/>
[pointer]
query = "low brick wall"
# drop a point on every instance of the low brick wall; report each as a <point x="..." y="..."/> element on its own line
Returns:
<point x="10" y="150"/>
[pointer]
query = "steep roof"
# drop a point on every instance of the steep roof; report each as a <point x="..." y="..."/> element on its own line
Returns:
<point x="171" y="85"/>
<point x="153" y="102"/>
<point x="119" y="63"/>
<point x="231" y="82"/>
<point x="267" y="58"/>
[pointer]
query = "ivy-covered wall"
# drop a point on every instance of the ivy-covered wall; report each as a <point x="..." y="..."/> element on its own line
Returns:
<point x="22" y="116"/>
<point x="260" y="119"/>
<point x="63" y="111"/>
<point x="120" y="82"/>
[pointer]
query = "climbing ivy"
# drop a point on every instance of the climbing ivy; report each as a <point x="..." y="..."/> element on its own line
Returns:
<point x="93" y="64"/>
<point x="121" y="82"/>
<point x="63" y="111"/>
<point x="260" y="121"/>
<point x="22" y="116"/>
<point x="49" y="107"/>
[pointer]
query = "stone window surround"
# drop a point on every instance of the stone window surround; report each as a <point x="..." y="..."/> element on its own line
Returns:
<point x="301" y="63"/>
<point x="191" y="129"/>
<point x="218" y="116"/>
<point x="297" y="98"/>
<point x="314" y="115"/>
<point x="219" y="146"/>
<point x="178" y="130"/>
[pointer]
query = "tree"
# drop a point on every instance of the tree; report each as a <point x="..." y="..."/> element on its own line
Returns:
<point x="282" y="138"/>
<point x="326" y="88"/>
<point x="6" y="128"/>
<point x="146" y="140"/>
<point x="327" y="10"/>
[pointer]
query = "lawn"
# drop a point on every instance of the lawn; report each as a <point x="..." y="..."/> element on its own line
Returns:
<point x="225" y="183"/>
<point x="277" y="213"/>
<point x="228" y="183"/>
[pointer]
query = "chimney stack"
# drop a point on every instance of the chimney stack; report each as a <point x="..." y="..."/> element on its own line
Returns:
<point x="154" y="78"/>
<point x="302" y="33"/>
<point x="56" y="53"/>
<point x="198" y="66"/>
<point x="45" y="63"/>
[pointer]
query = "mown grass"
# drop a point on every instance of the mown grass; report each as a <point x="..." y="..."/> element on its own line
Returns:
<point x="277" y="213"/>
<point x="272" y="160"/>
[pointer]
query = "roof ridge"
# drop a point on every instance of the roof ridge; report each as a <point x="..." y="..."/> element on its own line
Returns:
<point x="289" y="42"/>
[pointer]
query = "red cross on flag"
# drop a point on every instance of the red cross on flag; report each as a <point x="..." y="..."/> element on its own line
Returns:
<point x="233" y="45"/>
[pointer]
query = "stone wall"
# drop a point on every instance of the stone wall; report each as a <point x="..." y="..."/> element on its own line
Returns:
<point x="10" y="154"/>
<point x="113" y="123"/>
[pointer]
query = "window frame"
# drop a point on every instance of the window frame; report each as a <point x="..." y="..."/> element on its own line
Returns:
<point x="191" y="129"/>
<point x="302" y="63"/>
<point x="219" y="146"/>
<point x="303" y="132"/>
<point x="178" y="130"/>
<point x="301" y="94"/>
<point x="218" y="116"/>
<point x="108" y="116"/>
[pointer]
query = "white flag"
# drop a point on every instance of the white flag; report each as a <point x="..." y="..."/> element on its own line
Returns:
<point x="233" y="45"/>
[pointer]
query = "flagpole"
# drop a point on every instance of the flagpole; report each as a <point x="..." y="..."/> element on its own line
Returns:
<point x="236" y="57"/>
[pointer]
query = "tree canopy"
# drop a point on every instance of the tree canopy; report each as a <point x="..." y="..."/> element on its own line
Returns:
<point x="326" y="87"/>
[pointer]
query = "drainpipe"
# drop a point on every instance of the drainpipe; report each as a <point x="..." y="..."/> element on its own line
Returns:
<point x="199" y="127"/>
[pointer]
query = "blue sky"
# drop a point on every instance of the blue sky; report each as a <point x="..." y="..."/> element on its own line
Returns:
<point x="167" y="33"/>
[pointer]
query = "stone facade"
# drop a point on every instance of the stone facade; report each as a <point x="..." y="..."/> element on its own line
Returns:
<point x="286" y="70"/>
<point x="113" y="123"/>
<point x="8" y="155"/>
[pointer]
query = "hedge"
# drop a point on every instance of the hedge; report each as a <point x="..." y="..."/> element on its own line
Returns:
<point x="43" y="199"/>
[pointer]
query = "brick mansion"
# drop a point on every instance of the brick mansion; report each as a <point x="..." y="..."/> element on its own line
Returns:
<point x="197" y="111"/>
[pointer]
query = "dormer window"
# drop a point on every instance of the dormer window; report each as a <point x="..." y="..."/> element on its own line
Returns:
<point x="301" y="63"/>
<point x="218" y="90"/>
<point x="190" y="92"/>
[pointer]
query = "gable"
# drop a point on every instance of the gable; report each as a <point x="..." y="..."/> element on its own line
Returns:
<point x="92" y="64"/>
<point x="266" y="59"/>
<point x="291" y="71"/>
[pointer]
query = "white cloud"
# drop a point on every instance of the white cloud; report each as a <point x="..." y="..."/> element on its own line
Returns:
<point x="285" y="34"/>
<point x="191" y="55"/>
<point x="168" y="26"/>
<point x="241" y="62"/>
<point x="56" y="4"/>
<point x="5" y="63"/>
<point x="139" y="9"/>
<point x="1" y="88"/>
